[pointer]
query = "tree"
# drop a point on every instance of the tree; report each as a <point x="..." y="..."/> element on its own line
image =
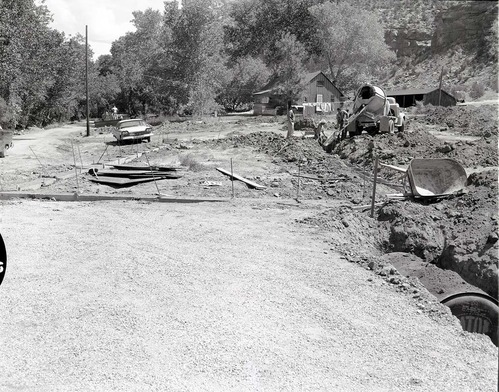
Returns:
<point x="289" y="68"/>
<point x="28" y="67"/>
<point x="246" y="76"/>
<point x="196" y="56"/>
<point x="133" y="55"/>
<point x="257" y="26"/>
<point x="352" y="43"/>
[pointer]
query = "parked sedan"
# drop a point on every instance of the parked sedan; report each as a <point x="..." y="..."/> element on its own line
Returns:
<point x="135" y="129"/>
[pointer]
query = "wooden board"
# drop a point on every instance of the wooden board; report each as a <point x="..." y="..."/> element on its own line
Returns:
<point x="240" y="178"/>
<point x="145" y="167"/>
<point x="121" y="182"/>
<point x="129" y="173"/>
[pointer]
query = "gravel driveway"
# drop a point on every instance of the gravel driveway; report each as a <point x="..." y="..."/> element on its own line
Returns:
<point x="236" y="296"/>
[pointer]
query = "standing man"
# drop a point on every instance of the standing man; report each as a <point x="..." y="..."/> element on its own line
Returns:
<point x="291" y="122"/>
<point x="115" y="112"/>
<point x="341" y="120"/>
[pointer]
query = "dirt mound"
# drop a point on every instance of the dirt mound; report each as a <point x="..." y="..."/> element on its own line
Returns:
<point x="469" y="120"/>
<point x="323" y="175"/>
<point x="400" y="148"/>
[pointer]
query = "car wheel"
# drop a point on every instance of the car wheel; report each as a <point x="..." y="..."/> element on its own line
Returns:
<point x="3" y="259"/>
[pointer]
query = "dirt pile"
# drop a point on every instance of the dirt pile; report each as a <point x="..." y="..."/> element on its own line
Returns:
<point x="400" y="148"/>
<point x="468" y="120"/>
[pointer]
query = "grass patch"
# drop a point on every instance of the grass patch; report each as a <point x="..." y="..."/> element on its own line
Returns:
<point x="192" y="163"/>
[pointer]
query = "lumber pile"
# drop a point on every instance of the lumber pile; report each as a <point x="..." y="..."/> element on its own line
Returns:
<point x="128" y="175"/>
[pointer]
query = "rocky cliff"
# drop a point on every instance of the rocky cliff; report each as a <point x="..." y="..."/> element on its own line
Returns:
<point x="438" y="28"/>
<point x="466" y="25"/>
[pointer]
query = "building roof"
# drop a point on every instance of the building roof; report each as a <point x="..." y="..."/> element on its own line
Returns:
<point x="308" y="78"/>
<point x="411" y="91"/>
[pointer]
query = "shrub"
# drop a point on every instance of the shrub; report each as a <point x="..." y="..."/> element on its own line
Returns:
<point x="477" y="90"/>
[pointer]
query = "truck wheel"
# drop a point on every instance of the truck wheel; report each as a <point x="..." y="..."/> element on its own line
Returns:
<point x="401" y="128"/>
<point x="3" y="259"/>
<point x="358" y="130"/>
<point x="391" y="127"/>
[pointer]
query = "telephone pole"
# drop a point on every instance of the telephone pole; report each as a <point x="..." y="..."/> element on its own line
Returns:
<point x="86" y="80"/>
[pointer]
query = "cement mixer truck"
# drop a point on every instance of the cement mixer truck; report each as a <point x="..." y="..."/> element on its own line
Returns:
<point x="374" y="112"/>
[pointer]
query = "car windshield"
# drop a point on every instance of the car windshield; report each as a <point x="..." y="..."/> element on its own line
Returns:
<point x="129" y="124"/>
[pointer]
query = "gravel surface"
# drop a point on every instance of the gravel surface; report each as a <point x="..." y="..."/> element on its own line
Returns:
<point x="235" y="296"/>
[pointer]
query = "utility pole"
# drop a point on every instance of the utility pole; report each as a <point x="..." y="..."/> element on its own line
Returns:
<point x="440" y="86"/>
<point x="86" y="79"/>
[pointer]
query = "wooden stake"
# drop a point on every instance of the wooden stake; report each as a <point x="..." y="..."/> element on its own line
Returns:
<point x="232" y="177"/>
<point x="76" y="169"/>
<point x="107" y="145"/>
<point x="79" y="153"/>
<point x="152" y="173"/>
<point x="41" y="164"/>
<point x="374" y="186"/>
<point x="299" y="177"/>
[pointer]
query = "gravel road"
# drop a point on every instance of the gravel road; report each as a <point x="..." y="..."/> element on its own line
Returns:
<point x="235" y="296"/>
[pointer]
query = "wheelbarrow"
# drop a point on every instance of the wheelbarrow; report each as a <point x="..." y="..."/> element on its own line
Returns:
<point x="434" y="177"/>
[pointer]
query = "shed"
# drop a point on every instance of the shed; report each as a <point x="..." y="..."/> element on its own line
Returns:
<point x="318" y="90"/>
<point x="433" y="96"/>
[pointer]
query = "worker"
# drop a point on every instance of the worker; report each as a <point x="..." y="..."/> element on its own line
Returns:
<point x="115" y="112"/>
<point x="341" y="120"/>
<point x="291" y="123"/>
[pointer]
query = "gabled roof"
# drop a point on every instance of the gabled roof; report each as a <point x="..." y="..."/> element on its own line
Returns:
<point x="308" y="78"/>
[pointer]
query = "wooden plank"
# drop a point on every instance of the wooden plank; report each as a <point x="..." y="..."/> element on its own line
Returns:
<point x="123" y="173"/>
<point x="121" y="182"/>
<point x="400" y="169"/>
<point x="240" y="178"/>
<point x="145" y="167"/>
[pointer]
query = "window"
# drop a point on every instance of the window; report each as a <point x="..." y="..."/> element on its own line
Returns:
<point x="320" y="83"/>
<point x="319" y="98"/>
<point x="264" y="100"/>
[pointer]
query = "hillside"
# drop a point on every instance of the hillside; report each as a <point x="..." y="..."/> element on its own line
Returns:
<point x="458" y="37"/>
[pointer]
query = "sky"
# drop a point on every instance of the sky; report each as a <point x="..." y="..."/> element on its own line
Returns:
<point x="107" y="20"/>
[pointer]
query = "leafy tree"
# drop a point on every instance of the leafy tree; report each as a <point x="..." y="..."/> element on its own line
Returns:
<point x="257" y="26"/>
<point x="196" y="56"/>
<point x="28" y="67"/>
<point x="132" y="55"/>
<point x="352" y="42"/>
<point x="66" y="96"/>
<point x="289" y="68"/>
<point x="246" y="76"/>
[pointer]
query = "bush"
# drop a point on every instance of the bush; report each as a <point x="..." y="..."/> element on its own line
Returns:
<point x="477" y="90"/>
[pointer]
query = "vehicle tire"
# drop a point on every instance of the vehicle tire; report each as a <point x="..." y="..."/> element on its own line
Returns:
<point x="477" y="312"/>
<point x="391" y="127"/>
<point x="148" y="139"/>
<point x="3" y="259"/>
<point x="358" y="130"/>
<point x="401" y="128"/>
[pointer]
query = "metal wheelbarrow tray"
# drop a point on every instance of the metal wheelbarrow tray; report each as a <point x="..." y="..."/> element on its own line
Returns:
<point x="434" y="177"/>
